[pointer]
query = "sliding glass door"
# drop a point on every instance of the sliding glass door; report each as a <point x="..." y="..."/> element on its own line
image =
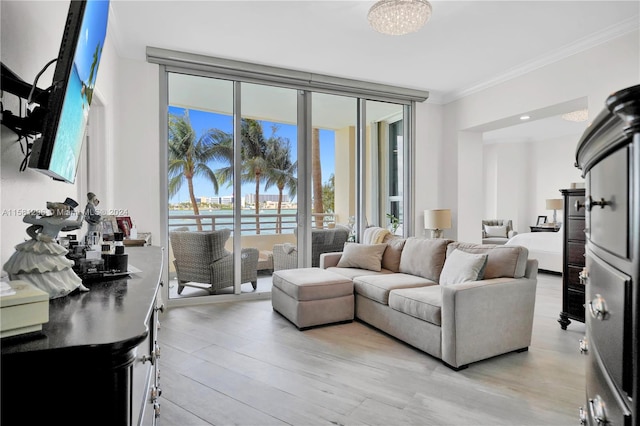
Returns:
<point x="254" y="170"/>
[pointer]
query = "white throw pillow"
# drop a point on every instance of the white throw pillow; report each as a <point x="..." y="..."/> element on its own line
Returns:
<point x="495" y="231"/>
<point x="460" y="267"/>
<point x="288" y="248"/>
<point x="363" y="256"/>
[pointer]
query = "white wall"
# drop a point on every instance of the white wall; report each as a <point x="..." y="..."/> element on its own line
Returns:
<point x="30" y="36"/>
<point x="508" y="175"/>
<point x="594" y="73"/>
<point x="555" y="172"/>
<point x="519" y="177"/>
<point x="137" y="151"/>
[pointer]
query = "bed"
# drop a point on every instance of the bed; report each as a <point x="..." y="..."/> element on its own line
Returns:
<point x="544" y="246"/>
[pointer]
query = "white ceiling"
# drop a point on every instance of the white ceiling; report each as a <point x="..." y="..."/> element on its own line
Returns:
<point x="466" y="46"/>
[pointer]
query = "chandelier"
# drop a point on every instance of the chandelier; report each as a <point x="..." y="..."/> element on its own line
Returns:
<point x="398" y="17"/>
<point x="577" y="116"/>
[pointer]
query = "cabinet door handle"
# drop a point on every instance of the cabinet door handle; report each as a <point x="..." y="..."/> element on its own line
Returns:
<point x="598" y="410"/>
<point x="598" y="308"/>
<point x="583" y="276"/>
<point x="583" y="416"/>
<point x="590" y="203"/>
<point x="584" y="346"/>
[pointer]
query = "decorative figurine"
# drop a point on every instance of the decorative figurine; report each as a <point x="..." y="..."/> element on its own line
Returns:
<point x="41" y="261"/>
<point x="91" y="216"/>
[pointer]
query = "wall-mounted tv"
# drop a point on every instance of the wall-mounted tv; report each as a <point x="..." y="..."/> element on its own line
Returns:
<point x="57" y="151"/>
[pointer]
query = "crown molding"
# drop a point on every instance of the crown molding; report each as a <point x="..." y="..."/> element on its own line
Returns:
<point x="610" y="33"/>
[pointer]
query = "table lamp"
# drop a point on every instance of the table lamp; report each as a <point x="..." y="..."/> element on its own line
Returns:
<point x="436" y="221"/>
<point x="554" y="204"/>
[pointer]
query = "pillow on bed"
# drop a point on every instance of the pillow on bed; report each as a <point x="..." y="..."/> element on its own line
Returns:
<point x="495" y="231"/>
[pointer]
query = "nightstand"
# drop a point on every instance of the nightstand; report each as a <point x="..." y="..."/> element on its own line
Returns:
<point x="544" y="229"/>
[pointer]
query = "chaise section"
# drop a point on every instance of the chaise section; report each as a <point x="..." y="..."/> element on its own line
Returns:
<point x="312" y="296"/>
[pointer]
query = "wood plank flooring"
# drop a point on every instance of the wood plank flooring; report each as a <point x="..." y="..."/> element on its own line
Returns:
<point x="240" y="363"/>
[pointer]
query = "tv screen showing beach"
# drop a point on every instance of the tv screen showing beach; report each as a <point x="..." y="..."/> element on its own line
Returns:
<point x="79" y="91"/>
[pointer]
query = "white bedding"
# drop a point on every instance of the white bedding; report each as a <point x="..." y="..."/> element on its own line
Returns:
<point x="544" y="246"/>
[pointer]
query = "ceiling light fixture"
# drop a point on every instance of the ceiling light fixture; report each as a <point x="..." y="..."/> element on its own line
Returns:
<point x="525" y="117"/>
<point x="398" y="17"/>
<point x="577" y="116"/>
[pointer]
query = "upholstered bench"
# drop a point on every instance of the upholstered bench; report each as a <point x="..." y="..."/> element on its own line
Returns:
<point x="312" y="296"/>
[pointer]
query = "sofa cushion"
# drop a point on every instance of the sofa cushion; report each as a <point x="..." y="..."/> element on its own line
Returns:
<point x="502" y="261"/>
<point x="363" y="256"/>
<point x="424" y="303"/>
<point x="352" y="273"/>
<point x="393" y="252"/>
<point x="461" y="267"/>
<point x="377" y="287"/>
<point x="312" y="284"/>
<point x="495" y="231"/>
<point x="423" y="257"/>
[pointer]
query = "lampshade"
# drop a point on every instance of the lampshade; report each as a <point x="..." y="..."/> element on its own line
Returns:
<point x="398" y="17"/>
<point x="554" y="204"/>
<point x="437" y="219"/>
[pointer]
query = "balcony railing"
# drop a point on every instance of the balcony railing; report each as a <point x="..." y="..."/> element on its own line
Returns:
<point x="266" y="223"/>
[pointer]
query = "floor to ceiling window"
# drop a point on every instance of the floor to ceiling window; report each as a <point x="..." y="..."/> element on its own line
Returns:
<point x="261" y="164"/>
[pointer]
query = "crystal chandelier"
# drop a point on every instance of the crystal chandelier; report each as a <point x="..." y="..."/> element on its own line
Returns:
<point x="577" y="116"/>
<point x="398" y="17"/>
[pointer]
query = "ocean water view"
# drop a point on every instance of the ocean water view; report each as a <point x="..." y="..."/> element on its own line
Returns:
<point x="218" y="219"/>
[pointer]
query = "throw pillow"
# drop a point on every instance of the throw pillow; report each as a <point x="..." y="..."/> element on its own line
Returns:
<point x="393" y="252"/>
<point x="461" y="267"/>
<point x="495" y="231"/>
<point x="423" y="257"/>
<point x="288" y="248"/>
<point x="503" y="261"/>
<point x="363" y="256"/>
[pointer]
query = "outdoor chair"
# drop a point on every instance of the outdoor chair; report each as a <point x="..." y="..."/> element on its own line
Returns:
<point x="285" y="256"/>
<point x="200" y="258"/>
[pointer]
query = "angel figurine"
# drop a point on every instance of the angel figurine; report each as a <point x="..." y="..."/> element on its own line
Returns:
<point x="41" y="260"/>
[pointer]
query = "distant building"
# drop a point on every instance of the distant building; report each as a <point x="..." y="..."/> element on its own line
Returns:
<point x="223" y="200"/>
<point x="250" y="198"/>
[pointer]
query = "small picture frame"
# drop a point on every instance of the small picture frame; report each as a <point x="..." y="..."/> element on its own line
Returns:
<point x="541" y="220"/>
<point x="109" y="225"/>
<point x="124" y="223"/>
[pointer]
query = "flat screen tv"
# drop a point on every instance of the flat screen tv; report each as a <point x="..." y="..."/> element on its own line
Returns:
<point x="57" y="151"/>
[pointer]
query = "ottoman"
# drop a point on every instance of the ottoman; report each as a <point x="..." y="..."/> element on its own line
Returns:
<point x="312" y="296"/>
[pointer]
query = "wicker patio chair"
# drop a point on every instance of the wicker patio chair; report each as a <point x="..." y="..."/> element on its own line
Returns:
<point x="200" y="257"/>
<point x="285" y="256"/>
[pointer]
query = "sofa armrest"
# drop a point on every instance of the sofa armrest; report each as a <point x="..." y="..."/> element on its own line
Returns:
<point x="328" y="260"/>
<point x="481" y="319"/>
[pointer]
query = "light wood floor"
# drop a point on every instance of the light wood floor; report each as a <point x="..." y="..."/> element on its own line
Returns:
<point x="243" y="364"/>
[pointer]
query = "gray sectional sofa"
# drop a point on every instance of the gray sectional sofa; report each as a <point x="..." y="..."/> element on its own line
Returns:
<point x="427" y="294"/>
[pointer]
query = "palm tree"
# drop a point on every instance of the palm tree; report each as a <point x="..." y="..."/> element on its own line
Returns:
<point x="281" y="171"/>
<point x="254" y="162"/>
<point x="253" y="148"/>
<point x="189" y="157"/>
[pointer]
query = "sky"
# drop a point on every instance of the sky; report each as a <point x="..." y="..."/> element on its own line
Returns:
<point x="201" y="121"/>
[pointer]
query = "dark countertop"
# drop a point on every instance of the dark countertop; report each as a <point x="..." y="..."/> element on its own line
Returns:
<point x="111" y="317"/>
